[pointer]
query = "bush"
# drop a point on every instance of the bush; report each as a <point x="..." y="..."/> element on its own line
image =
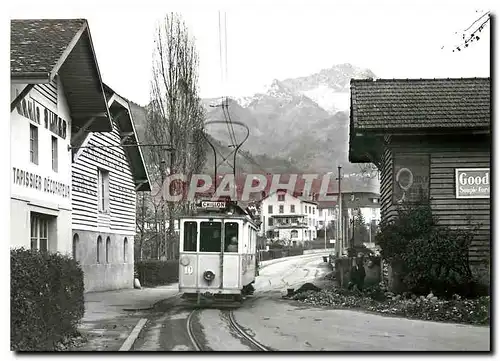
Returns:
<point x="157" y="273"/>
<point x="47" y="300"/>
<point x="429" y="257"/>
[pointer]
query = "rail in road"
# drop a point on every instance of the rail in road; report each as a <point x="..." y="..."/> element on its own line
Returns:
<point x="198" y="346"/>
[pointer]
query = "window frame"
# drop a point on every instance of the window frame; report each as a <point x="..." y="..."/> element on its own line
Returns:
<point x="195" y="236"/>
<point x="281" y="209"/>
<point x="55" y="153"/>
<point x="103" y="190"/>
<point x="76" y="242"/>
<point x="228" y="238"/>
<point x="108" y="249"/>
<point x="40" y="225"/>
<point x="125" y="250"/>
<point x="34" y="144"/>
<point x="202" y="243"/>
<point x="99" y="245"/>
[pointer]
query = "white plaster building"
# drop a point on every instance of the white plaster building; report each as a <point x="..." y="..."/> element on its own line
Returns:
<point x="289" y="218"/>
<point x="73" y="183"/>
<point x="328" y="212"/>
<point x="55" y="88"/>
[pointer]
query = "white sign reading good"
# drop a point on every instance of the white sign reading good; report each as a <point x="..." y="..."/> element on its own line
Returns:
<point x="472" y="182"/>
<point x="209" y="204"/>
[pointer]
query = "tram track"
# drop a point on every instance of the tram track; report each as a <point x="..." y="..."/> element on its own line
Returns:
<point x="233" y="325"/>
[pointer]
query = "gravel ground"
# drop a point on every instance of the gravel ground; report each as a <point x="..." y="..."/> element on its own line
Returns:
<point x="457" y="310"/>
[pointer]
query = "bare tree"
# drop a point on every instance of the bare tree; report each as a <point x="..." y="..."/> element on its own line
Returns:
<point x="175" y="114"/>
<point x="368" y="170"/>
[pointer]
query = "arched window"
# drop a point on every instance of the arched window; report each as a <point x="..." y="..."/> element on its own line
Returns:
<point x="295" y="234"/>
<point x="99" y="245"/>
<point x="76" y="239"/>
<point x="125" y="250"/>
<point x="108" y="246"/>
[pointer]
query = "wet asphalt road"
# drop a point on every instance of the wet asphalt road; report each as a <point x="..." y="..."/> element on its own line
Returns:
<point x="290" y="326"/>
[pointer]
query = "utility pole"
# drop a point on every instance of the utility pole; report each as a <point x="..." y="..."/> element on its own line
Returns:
<point x="339" y="220"/>
<point x="162" y="249"/>
<point x="324" y="211"/>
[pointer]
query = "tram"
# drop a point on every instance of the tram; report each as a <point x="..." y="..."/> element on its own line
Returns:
<point x="217" y="253"/>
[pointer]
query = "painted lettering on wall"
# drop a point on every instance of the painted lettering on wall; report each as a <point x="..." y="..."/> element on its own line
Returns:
<point x="33" y="110"/>
<point x="472" y="182"/>
<point x="84" y="184"/>
<point x="106" y="159"/>
<point x="43" y="184"/>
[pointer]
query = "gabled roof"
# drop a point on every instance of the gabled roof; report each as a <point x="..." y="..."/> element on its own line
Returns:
<point x="390" y="104"/>
<point x="121" y="111"/>
<point x="407" y="106"/>
<point x="42" y="49"/>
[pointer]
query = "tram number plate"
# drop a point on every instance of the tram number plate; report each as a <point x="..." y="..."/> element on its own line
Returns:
<point x="188" y="270"/>
<point x="208" y="204"/>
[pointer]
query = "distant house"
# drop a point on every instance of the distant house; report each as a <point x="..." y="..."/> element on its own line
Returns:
<point x="285" y="217"/>
<point x="56" y="91"/>
<point x="106" y="178"/>
<point x="429" y="138"/>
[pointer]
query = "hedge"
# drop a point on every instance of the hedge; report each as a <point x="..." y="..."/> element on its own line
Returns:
<point x="47" y="300"/>
<point x="280" y="253"/>
<point x="157" y="273"/>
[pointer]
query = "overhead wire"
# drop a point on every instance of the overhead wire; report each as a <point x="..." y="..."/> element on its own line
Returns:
<point x="226" y="67"/>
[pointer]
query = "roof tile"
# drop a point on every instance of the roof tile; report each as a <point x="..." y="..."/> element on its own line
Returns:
<point x="37" y="45"/>
<point x="386" y="104"/>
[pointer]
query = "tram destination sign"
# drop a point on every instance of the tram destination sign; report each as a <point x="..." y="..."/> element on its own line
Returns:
<point x="213" y="204"/>
<point x="472" y="183"/>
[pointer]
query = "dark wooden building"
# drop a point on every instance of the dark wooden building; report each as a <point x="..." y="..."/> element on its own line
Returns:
<point x="429" y="137"/>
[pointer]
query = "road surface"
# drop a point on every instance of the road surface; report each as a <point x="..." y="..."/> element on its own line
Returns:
<point x="284" y="325"/>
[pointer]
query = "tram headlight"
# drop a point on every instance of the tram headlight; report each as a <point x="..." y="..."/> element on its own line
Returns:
<point x="208" y="276"/>
<point x="184" y="261"/>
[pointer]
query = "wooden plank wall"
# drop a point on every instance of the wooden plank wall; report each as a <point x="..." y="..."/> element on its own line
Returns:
<point x="121" y="218"/>
<point x="445" y="156"/>
<point x="48" y="91"/>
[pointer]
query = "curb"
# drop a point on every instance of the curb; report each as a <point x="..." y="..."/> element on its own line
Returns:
<point x="129" y="342"/>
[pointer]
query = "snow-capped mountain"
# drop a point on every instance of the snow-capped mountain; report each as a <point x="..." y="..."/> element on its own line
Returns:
<point x="303" y="120"/>
<point x="329" y="88"/>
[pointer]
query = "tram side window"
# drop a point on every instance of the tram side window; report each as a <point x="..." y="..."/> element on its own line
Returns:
<point x="231" y="237"/>
<point x="190" y="230"/>
<point x="210" y="236"/>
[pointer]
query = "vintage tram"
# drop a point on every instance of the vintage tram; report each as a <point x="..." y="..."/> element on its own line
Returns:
<point x="217" y="255"/>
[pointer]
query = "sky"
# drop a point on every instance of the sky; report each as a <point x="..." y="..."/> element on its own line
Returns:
<point x="401" y="39"/>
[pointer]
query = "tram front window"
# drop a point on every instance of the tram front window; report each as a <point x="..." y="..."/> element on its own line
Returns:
<point x="210" y="236"/>
<point x="231" y="237"/>
<point x="190" y="231"/>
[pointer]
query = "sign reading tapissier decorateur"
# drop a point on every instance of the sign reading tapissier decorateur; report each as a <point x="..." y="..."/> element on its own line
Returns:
<point x="44" y="184"/>
<point x="472" y="182"/>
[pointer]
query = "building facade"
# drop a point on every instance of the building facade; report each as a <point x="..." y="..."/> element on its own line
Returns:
<point x="55" y="83"/>
<point x="108" y="169"/>
<point x="289" y="218"/>
<point x="430" y="139"/>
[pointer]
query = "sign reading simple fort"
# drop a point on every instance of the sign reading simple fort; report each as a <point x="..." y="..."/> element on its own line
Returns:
<point x="472" y="182"/>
